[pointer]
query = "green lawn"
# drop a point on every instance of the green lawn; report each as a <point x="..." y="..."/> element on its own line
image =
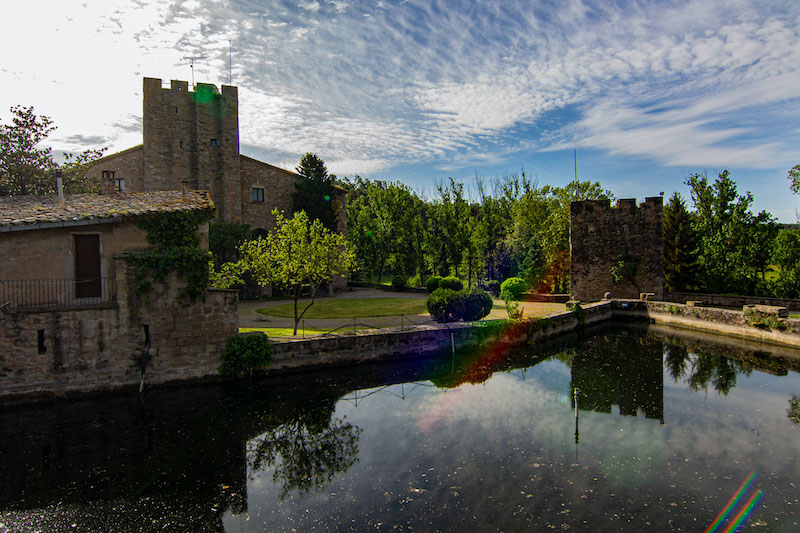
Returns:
<point x="280" y="332"/>
<point x="348" y="308"/>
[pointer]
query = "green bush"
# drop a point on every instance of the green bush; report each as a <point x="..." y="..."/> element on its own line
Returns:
<point x="399" y="283"/>
<point x="493" y="286"/>
<point x="446" y="305"/>
<point x="477" y="305"/>
<point x="433" y="283"/>
<point x="452" y="283"/>
<point x="513" y="288"/>
<point x="245" y="354"/>
<point x="415" y="281"/>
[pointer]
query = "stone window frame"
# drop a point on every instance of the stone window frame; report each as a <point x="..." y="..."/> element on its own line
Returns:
<point x="258" y="194"/>
<point x="214" y="143"/>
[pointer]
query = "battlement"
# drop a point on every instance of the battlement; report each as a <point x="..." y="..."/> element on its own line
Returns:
<point x="622" y="204"/>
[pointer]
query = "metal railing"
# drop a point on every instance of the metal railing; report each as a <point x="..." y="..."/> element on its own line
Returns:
<point x="354" y="325"/>
<point x="28" y="293"/>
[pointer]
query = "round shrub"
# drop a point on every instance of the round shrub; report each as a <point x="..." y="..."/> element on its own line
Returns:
<point x="477" y="305"/>
<point x="452" y="283"/>
<point x="513" y="288"/>
<point x="245" y="354"/>
<point x="433" y="283"/>
<point x="446" y="305"/>
<point x="399" y="283"/>
<point x="414" y="281"/>
<point x="493" y="286"/>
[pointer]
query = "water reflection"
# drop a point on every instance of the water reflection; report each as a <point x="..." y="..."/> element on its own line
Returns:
<point x="183" y="459"/>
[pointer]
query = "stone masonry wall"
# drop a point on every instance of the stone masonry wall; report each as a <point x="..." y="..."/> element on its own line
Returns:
<point x="600" y="233"/>
<point x="128" y="165"/>
<point x="100" y="347"/>
<point x="193" y="136"/>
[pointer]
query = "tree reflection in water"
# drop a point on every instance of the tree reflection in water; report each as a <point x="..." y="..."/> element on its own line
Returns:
<point x="700" y="369"/>
<point x="307" y="449"/>
<point x="793" y="412"/>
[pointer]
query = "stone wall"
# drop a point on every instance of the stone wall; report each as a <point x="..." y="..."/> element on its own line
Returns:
<point x="278" y="185"/>
<point x="127" y="165"/>
<point x="726" y="300"/>
<point x="193" y="136"/>
<point x="600" y="234"/>
<point x="49" y="253"/>
<point x="58" y="350"/>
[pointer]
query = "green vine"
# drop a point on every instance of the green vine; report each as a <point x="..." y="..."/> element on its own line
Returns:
<point x="175" y="250"/>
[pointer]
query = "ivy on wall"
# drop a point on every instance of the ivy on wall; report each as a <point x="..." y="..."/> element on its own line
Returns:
<point x="175" y="250"/>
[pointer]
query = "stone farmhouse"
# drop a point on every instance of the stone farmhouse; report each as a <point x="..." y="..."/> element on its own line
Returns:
<point x="191" y="139"/>
<point x="71" y="316"/>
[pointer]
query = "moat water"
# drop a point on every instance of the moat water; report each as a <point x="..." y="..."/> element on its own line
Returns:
<point x="666" y="429"/>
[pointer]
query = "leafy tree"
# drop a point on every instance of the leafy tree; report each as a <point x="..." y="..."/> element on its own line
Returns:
<point x="27" y="169"/>
<point x="726" y="228"/>
<point x="794" y="176"/>
<point x="541" y="219"/>
<point x="297" y="254"/>
<point x="382" y="222"/>
<point x="787" y="257"/>
<point x="224" y="239"/>
<point x="316" y="194"/>
<point x="680" y="247"/>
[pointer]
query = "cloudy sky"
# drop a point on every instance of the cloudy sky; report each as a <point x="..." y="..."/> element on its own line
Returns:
<point x="419" y="90"/>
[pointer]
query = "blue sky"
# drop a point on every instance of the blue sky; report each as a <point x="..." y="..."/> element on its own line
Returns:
<point x="416" y="91"/>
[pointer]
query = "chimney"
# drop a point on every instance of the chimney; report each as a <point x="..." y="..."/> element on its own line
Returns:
<point x="60" y="188"/>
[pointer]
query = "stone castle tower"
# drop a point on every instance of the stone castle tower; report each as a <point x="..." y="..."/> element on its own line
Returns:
<point x="601" y="236"/>
<point x="193" y="137"/>
<point x="191" y="140"/>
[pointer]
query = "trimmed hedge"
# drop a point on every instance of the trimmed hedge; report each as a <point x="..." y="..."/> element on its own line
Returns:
<point x="245" y="354"/>
<point x="513" y="288"/>
<point x="452" y="283"/>
<point x="478" y="304"/>
<point x="399" y="283"/>
<point x="433" y="283"/>
<point x="446" y="305"/>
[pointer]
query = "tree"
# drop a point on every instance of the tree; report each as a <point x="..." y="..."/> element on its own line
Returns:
<point x="680" y="247"/>
<point x="22" y="164"/>
<point x="316" y="194"/>
<point x="725" y="227"/>
<point x="297" y="254"/>
<point x="794" y="176"/>
<point x="27" y="169"/>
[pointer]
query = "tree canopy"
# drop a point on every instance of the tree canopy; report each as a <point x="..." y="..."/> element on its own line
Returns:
<point x="316" y="194"/>
<point x="28" y="168"/>
<point x="297" y="254"/>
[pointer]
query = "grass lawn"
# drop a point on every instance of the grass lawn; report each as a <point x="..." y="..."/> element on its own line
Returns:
<point x="280" y="332"/>
<point x="348" y="308"/>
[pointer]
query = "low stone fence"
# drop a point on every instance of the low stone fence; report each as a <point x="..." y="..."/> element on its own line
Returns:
<point x="727" y="322"/>
<point x="724" y="300"/>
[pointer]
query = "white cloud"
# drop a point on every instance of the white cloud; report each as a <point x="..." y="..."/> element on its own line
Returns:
<point x="424" y="81"/>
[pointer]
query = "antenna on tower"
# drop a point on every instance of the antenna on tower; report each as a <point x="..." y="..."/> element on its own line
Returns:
<point x="230" y="64"/>
<point x="191" y="60"/>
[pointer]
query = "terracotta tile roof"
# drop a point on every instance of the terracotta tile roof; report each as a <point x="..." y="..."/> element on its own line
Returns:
<point x="31" y="212"/>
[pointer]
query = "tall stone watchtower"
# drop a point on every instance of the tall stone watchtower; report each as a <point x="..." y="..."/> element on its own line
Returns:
<point x="602" y="237"/>
<point x="192" y="138"/>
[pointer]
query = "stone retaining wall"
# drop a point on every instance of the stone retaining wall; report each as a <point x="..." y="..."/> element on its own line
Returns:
<point x="58" y="350"/>
<point x="724" y="300"/>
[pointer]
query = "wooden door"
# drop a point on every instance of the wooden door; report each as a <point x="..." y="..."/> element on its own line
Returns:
<point x="87" y="266"/>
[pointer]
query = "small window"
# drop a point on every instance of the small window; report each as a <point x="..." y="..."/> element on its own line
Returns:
<point x="40" y="341"/>
<point x="258" y="194"/>
<point x="213" y="142"/>
<point x="107" y="174"/>
<point x="120" y="184"/>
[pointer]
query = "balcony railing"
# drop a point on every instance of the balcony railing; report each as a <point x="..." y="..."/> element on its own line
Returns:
<point x="28" y="293"/>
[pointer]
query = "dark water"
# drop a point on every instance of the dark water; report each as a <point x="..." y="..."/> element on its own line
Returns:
<point x="667" y="429"/>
